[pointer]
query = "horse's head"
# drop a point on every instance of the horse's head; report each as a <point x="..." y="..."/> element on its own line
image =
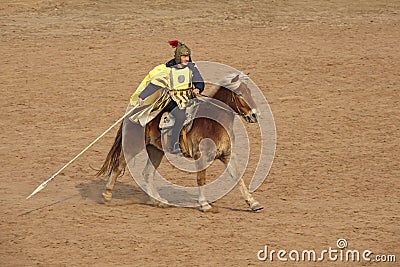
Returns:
<point x="241" y="100"/>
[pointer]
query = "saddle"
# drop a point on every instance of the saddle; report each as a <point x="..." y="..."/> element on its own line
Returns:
<point x="168" y="120"/>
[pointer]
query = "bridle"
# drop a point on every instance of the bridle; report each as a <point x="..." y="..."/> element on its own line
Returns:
<point x="233" y="99"/>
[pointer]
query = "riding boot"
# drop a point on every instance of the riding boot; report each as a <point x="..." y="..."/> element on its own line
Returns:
<point x="180" y="116"/>
<point x="175" y="149"/>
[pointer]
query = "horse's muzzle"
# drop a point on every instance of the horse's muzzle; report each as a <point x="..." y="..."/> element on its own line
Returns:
<point x="252" y="116"/>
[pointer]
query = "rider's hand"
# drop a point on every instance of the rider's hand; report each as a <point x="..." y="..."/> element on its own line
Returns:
<point x="196" y="91"/>
<point x="140" y="101"/>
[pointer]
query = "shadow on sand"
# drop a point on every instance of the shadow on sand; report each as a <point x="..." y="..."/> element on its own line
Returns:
<point x="129" y="193"/>
<point x="123" y="194"/>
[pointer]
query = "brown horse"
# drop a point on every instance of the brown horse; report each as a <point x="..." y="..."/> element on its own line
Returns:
<point x="238" y="100"/>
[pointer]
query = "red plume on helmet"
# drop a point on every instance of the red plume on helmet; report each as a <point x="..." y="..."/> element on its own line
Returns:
<point x="173" y="43"/>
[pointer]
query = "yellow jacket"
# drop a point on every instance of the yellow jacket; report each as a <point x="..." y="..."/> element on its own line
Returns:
<point x="157" y="71"/>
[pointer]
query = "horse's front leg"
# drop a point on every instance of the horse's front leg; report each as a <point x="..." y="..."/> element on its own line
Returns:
<point x="151" y="190"/>
<point x="154" y="160"/>
<point x="232" y="170"/>
<point x="253" y="204"/>
<point x="201" y="181"/>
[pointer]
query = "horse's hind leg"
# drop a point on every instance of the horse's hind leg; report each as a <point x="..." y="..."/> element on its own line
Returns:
<point x="117" y="159"/>
<point x="107" y="194"/>
<point x="232" y="170"/>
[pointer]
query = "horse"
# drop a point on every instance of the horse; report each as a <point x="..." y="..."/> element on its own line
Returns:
<point x="234" y="92"/>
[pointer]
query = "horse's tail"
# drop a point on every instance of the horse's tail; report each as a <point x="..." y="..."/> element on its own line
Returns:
<point x="113" y="159"/>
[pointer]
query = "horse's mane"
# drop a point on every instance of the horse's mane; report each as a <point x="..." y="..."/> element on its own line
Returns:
<point x="231" y="82"/>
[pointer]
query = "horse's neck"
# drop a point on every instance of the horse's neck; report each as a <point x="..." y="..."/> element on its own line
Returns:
<point x="225" y="96"/>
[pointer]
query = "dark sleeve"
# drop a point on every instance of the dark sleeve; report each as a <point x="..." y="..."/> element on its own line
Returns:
<point x="198" y="81"/>
<point x="170" y="63"/>
<point x="149" y="90"/>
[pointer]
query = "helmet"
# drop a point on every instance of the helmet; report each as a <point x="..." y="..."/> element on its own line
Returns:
<point x="180" y="50"/>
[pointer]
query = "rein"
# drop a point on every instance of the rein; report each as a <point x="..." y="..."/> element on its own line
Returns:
<point x="233" y="99"/>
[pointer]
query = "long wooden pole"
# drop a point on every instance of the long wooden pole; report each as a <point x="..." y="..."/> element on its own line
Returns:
<point x="44" y="184"/>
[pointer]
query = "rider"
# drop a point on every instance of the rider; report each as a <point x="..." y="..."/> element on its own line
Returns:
<point x="182" y="82"/>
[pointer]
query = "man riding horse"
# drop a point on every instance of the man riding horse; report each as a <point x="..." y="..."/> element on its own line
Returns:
<point x="179" y="81"/>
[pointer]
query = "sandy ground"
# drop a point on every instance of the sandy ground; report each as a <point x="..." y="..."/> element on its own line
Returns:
<point x="329" y="69"/>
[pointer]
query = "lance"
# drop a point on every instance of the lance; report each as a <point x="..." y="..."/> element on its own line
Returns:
<point x="45" y="183"/>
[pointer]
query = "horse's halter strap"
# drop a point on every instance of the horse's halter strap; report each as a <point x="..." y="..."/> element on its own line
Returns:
<point x="234" y="100"/>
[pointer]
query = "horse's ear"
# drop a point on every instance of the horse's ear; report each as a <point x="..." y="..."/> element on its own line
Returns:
<point x="235" y="79"/>
<point x="244" y="77"/>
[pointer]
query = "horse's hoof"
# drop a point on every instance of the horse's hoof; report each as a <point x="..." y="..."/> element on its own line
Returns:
<point x="205" y="207"/>
<point x="106" y="197"/>
<point x="255" y="206"/>
<point x="160" y="204"/>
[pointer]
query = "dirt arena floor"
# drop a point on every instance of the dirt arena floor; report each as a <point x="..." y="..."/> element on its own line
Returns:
<point x="329" y="69"/>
